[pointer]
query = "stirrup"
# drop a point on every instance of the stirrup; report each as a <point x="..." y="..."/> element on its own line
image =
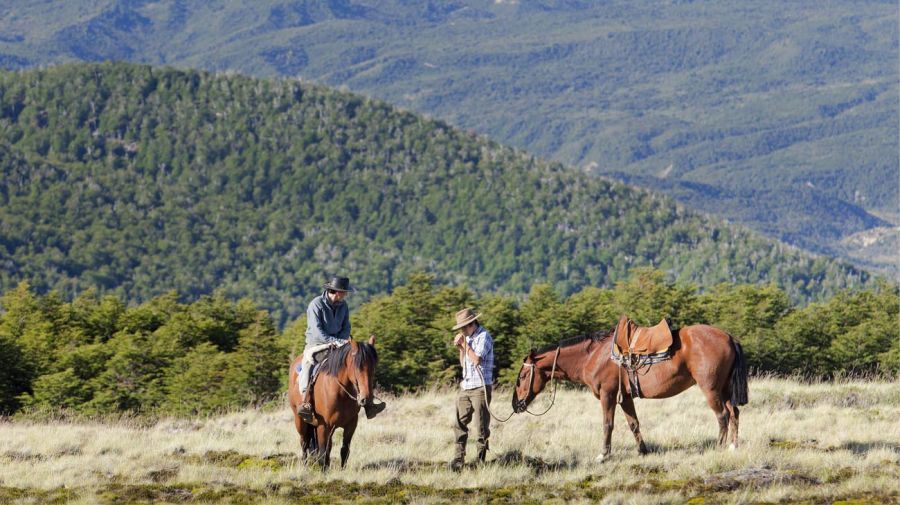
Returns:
<point x="305" y="412"/>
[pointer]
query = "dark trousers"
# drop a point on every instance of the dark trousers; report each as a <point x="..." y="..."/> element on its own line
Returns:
<point x="471" y="403"/>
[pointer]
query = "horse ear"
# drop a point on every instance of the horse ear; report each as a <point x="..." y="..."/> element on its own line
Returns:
<point x="371" y="339"/>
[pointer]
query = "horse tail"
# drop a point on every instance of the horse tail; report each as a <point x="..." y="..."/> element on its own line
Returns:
<point x="739" y="389"/>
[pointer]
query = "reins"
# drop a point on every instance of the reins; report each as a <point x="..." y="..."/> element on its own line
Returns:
<point x="552" y="381"/>
<point x="530" y="380"/>
<point x="355" y="383"/>
<point x="354" y="397"/>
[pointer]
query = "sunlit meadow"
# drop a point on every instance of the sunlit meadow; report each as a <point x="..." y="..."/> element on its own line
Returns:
<point x="823" y="442"/>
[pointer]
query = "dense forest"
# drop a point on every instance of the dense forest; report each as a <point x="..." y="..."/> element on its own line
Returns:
<point x="97" y="355"/>
<point x="781" y="116"/>
<point x="134" y="181"/>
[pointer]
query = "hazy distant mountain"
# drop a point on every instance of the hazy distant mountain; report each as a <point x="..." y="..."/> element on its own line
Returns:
<point x="779" y="115"/>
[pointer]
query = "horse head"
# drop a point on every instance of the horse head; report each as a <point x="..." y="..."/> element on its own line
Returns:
<point x="360" y="366"/>
<point x="531" y="380"/>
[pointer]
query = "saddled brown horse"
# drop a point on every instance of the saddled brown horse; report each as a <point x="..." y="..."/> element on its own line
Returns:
<point x="702" y="355"/>
<point x="344" y="384"/>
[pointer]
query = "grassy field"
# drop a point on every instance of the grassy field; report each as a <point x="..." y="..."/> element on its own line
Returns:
<point x="820" y="443"/>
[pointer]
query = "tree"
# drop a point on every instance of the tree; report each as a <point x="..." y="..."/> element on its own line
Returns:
<point x="59" y="390"/>
<point x="196" y="383"/>
<point x="646" y="297"/>
<point x="15" y="376"/>
<point x="749" y="313"/>
<point x="502" y="319"/>
<point x="257" y="368"/>
<point x="133" y="379"/>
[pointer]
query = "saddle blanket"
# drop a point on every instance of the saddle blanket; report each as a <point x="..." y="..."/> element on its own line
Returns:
<point x="312" y="377"/>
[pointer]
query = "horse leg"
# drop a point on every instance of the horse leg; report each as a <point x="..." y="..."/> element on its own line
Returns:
<point x="631" y="417"/>
<point x="298" y="423"/>
<point x="308" y="441"/>
<point x="714" y="400"/>
<point x="345" y="447"/>
<point x="323" y="441"/>
<point x="608" y="404"/>
<point x="733" y="424"/>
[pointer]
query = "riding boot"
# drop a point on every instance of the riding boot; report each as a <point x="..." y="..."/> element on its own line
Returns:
<point x="456" y="464"/>
<point x="482" y="454"/>
<point x="305" y="410"/>
<point x="373" y="409"/>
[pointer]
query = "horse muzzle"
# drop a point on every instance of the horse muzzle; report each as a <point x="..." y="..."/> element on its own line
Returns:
<point x="518" y="405"/>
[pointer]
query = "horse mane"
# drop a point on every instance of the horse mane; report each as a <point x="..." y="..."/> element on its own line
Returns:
<point x="595" y="336"/>
<point x="337" y="357"/>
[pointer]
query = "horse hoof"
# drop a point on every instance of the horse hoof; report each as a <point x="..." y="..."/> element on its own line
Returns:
<point x="601" y="458"/>
<point x="732" y="447"/>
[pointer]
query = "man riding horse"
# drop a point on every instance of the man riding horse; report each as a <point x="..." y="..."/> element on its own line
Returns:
<point x="327" y="327"/>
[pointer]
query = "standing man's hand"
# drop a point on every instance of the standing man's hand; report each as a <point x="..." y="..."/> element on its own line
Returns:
<point x="459" y="339"/>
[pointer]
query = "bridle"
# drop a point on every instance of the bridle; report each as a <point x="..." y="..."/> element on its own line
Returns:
<point x="530" y="383"/>
<point x="355" y="382"/>
<point x="531" y="367"/>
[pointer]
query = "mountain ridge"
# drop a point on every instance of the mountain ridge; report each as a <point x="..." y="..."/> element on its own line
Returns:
<point x="137" y="180"/>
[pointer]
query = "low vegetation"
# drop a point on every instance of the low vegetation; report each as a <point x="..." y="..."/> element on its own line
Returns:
<point x="813" y="443"/>
<point x="96" y="355"/>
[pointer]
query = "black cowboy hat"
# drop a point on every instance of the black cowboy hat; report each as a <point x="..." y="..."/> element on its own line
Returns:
<point x="339" y="284"/>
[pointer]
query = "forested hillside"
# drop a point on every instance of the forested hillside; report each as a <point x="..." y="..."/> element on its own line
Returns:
<point x="137" y="180"/>
<point x="778" y="115"/>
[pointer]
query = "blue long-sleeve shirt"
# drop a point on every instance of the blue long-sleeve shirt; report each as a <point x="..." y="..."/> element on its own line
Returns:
<point x="326" y="323"/>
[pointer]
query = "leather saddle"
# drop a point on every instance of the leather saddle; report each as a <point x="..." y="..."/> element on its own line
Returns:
<point x="637" y="347"/>
<point x="632" y="339"/>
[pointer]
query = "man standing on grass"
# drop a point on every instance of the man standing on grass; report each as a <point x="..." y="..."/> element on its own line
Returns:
<point x="476" y="356"/>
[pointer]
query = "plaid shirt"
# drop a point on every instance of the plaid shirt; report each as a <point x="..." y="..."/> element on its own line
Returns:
<point x="483" y="345"/>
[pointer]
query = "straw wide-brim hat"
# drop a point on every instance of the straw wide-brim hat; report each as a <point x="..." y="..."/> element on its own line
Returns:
<point x="339" y="284"/>
<point x="464" y="317"/>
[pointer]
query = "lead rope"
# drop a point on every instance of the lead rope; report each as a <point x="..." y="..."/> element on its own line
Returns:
<point x="552" y="381"/>
<point x="552" y="400"/>
<point x="486" y="402"/>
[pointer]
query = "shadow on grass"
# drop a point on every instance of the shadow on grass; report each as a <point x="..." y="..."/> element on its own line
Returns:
<point x="863" y="448"/>
<point x="404" y="466"/>
<point x="858" y="448"/>
<point x="535" y="464"/>
<point x="706" y="444"/>
<point x="241" y="461"/>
